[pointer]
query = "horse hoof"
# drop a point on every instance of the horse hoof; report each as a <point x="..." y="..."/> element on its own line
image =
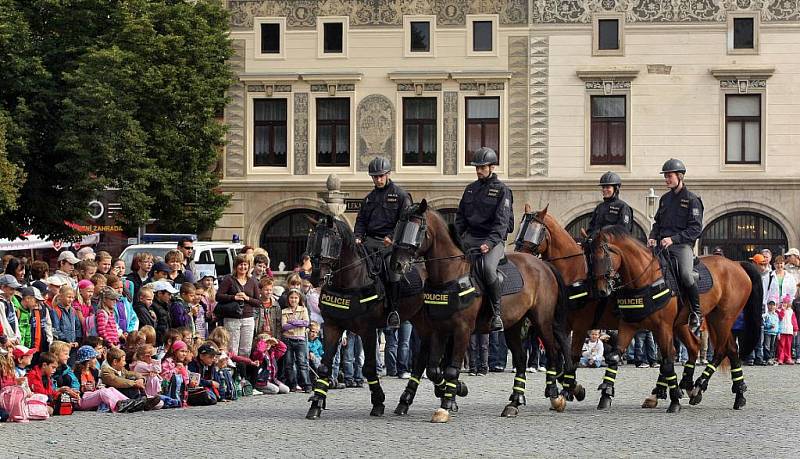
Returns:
<point x="650" y="402"/>
<point x="440" y="416"/>
<point x="558" y="404"/>
<point x="739" y="403"/>
<point x="377" y="411"/>
<point x="674" y="407"/>
<point x="401" y="410"/>
<point x="604" y="403"/>
<point x="461" y="389"/>
<point x="696" y="396"/>
<point x="314" y="412"/>
<point x="580" y="393"/>
<point x="510" y="411"/>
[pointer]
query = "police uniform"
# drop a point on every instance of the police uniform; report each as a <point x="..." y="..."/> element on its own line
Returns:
<point x="485" y="216"/>
<point x="612" y="211"/>
<point x="378" y="217"/>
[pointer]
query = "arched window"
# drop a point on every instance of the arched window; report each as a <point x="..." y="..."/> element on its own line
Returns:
<point x="574" y="228"/>
<point x="285" y="236"/>
<point x="742" y="234"/>
<point x="449" y="214"/>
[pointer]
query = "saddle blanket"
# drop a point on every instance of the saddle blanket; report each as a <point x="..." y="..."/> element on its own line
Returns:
<point x="411" y="283"/>
<point x="512" y="279"/>
<point x="704" y="283"/>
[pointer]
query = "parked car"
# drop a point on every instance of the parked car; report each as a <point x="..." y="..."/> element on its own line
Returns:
<point x="219" y="254"/>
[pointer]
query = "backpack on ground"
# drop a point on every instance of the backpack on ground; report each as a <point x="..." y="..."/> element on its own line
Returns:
<point x="12" y="401"/>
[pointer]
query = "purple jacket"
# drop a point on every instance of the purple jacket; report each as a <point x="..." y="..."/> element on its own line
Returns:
<point x="179" y="315"/>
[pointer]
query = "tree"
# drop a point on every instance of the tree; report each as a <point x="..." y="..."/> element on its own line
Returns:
<point x="126" y="99"/>
<point x="12" y="175"/>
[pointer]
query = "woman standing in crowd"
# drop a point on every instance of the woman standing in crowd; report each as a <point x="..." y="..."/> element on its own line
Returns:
<point x="240" y="287"/>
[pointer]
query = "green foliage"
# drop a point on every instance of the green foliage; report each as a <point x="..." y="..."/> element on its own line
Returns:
<point x="114" y="94"/>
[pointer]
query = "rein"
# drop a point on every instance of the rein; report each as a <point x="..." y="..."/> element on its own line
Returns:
<point x="656" y="254"/>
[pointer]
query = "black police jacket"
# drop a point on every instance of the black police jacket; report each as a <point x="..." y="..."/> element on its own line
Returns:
<point x="381" y="210"/>
<point x="485" y="211"/>
<point x="679" y="217"/>
<point x="613" y="211"/>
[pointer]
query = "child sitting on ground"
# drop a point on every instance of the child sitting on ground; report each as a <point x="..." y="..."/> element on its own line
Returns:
<point x="22" y="358"/>
<point x="93" y="396"/>
<point x="592" y="352"/>
<point x="267" y="351"/>
<point x="174" y="372"/>
<point x="129" y="383"/>
<point x="204" y="366"/>
<point x="150" y="368"/>
<point x="40" y="380"/>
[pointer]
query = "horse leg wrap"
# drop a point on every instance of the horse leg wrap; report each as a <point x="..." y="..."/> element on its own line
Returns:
<point x="320" y="389"/>
<point x="461" y="389"/>
<point x="702" y="381"/>
<point x="518" y="393"/>
<point x="687" y="381"/>
<point x="607" y="386"/>
<point x="410" y="391"/>
<point x="674" y="391"/>
<point x="568" y="383"/>
<point x="435" y="375"/>
<point x="737" y="376"/>
<point x="550" y="387"/>
<point x="376" y="392"/>
<point x="660" y="391"/>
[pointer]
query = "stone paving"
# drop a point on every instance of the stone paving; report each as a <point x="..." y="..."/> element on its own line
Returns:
<point x="274" y="426"/>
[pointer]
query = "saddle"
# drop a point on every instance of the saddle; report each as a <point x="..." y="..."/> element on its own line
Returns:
<point x="510" y="278"/>
<point x="669" y="267"/>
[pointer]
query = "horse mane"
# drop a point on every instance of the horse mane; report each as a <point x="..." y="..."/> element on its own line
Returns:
<point x="614" y="233"/>
<point x="345" y="232"/>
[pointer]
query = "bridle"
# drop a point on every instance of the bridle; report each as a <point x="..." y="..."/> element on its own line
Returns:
<point x="612" y="276"/>
<point x="532" y="232"/>
<point x="324" y="246"/>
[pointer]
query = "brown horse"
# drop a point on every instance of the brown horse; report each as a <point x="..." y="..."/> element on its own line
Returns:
<point x="539" y="300"/>
<point x="541" y="234"/>
<point x="621" y="260"/>
<point x="345" y="267"/>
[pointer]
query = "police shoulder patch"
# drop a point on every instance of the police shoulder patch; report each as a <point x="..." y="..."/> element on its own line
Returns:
<point x="696" y="212"/>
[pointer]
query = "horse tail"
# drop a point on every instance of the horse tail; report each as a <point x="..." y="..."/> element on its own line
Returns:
<point x="560" y="325"/>
<point x="752" y="310"/>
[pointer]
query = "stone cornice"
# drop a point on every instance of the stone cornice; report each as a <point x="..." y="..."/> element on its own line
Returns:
<point x="410" y="76"/>
<point x="321" y="77"/>
<point x="269" y="76"/>
<point x="742" y="72"/>
<point x="607" y="73"/>
<point x="480" y="75"/>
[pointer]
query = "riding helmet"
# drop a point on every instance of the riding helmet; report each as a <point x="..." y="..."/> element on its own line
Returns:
<point x="610" y="178"/>
<point x="673" y="165"/>
<point x="485" y="156"/>
<point x="379" y="166"/>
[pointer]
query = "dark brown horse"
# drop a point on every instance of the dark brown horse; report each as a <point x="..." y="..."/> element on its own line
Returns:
<point x="345" y="267"/>
<point x="620" y="260"/>
<point x="541" y="234"/>
<point x="539" y="301"/>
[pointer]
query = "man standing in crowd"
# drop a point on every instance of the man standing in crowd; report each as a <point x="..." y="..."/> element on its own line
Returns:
<point x="186" y="247"/>
<point x="793" y="262"/>
<point x="66" y="266"/>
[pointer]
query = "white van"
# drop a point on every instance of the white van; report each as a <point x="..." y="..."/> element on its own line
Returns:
<point x="219" y="254"/>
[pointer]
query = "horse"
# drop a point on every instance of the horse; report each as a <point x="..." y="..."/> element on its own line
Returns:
<point x="346" y="268"/>
<point x="540" y="234"/>
<point x="622" y="261"/>
<point x="540" y="300"/>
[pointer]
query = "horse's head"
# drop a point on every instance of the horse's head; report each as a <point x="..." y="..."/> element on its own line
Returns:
<point x="324" y="246"/>
<point x="410" y="237"/>
<point x="533" y="235"/>
<point x="607" y="262"/>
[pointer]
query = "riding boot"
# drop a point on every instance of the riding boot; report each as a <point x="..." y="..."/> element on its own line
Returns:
<point x="392" y="298"/>
<point x="695" y="314"/>
<point x="493" y="291"/>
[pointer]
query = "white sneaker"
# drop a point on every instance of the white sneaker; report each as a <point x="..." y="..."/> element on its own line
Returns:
<point x="798" y="361"/>
<point x="643" y="365"/>
<point x="542" y="369"/>
<point x="531" y="369"/>
<point x="404" y="375"/>
<point x="257" y="392"/>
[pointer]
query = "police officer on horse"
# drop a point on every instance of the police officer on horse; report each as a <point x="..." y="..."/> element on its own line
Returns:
<point x="484" y="219"/>
<point x="375" y="225"/>
<point x="613" y="210"/>
<point x="678" y="225"/>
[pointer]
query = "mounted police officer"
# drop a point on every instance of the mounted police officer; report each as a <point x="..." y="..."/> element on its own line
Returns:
<point x="375" y="225"/>
<point x="484" y="219"/>
<point x="613" y="210"/>
<point x="678" y="225"/>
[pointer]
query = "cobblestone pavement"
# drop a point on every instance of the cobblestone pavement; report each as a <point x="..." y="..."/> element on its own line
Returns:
<point x="270" y="426"/>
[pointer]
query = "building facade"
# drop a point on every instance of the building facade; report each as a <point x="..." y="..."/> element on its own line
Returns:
<point x="564" y="90"/>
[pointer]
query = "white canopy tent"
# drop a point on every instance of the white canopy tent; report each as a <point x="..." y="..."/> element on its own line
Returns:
<point x="34" y="242"/>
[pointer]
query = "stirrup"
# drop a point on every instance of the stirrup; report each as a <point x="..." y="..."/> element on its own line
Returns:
<point x="496" y="323"/>
<point x="695" y="321"/>
<point x="393" y="320"/>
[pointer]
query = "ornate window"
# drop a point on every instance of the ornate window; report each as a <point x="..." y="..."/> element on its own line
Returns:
<point x="743" y="234"/>
<point x="333" y="131"/>
<point x="482" y="125"/>
<point x="285" y="236"/>
<point x="269" y="132"/>
<point x="609" y="127"/>
<point x="419" y="131"/>
<point x="743" y="129"/>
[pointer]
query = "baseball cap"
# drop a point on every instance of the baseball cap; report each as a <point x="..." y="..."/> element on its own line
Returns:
<point x="766" y="250"/>
<point x="82" y="253"/>
<point x="161" y="266"/>
<point x="108" y="292"/>
<point x="203" y="274"/>
<point x="207" y="349"/>
<point x="793" y="251"/>
<point x="161" y="286"/>
<point x="31" y="291"/>
<point x="67" y="255"/>
<point x="9" y="280"/>
<point x="758" y="259"/>
<point x="21" y="351"/>
<point x="56" y="280"/>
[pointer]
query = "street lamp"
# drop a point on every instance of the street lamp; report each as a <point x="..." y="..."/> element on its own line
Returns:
<point x="652" y="201"/>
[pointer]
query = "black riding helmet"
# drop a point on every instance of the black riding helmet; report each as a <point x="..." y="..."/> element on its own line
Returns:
<point x="379" y="166"/>
<point x="610" y="178"/>
<point x="485" y="156"/>
<point x="673" y="165"/>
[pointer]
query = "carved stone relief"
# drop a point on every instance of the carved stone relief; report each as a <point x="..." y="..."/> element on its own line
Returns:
<point x="235" y="116"/>
<point x="518" y="107"/>
<point x="375" y="127"/>
<point x="539" y="55"/>
<point x="302" y="14"/>
<point x="450" y="134"/>
<point x="301" y="133"/>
